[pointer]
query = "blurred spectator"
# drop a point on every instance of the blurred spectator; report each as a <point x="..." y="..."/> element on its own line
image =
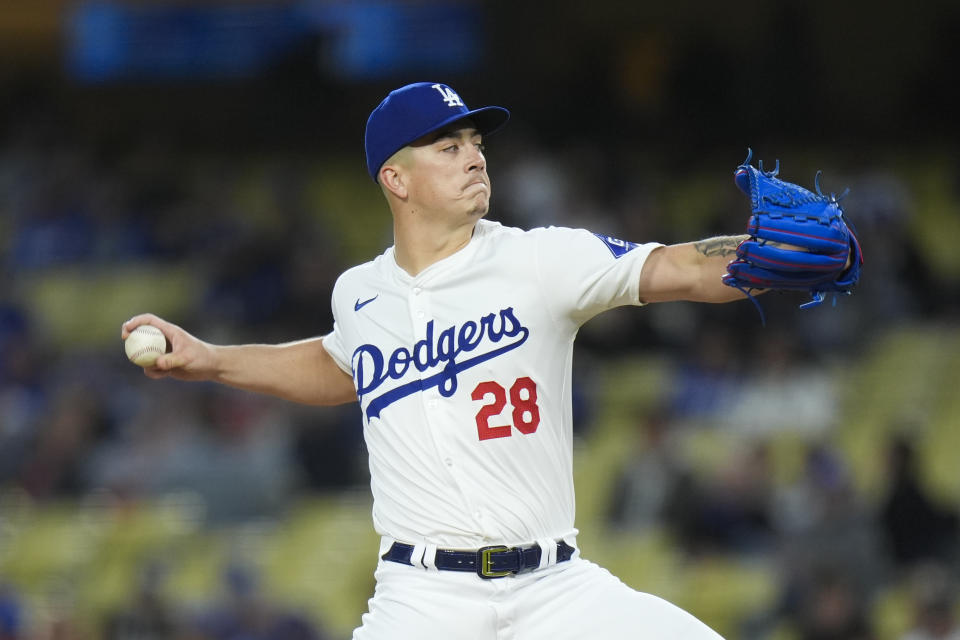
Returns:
<point x="648" y="478"/>
<point x="836" y="529"/>
<point x="329" y="449"/>
<point x="248" y="285"/>
<point x="833" y="609"/>
<point x="62" y="618"/>
<point x="805" y="504"/>
<point x="728" y="511"/>
<point x="23" y="393"/>
<point x="64" y="437"/>
<point x="232" y="449"/>
<point x="934" y="602"/>
<point x="781" y="390"/>
<point x="11" y="614"/>
<point x="148" y="615"/>
<point x="915" y="526"/>
<point x="828" y="552"/>
<point x="883" y="210"/>
<point x="246" y="614"/>
<point x="535" y="188"/>
<point x="53" y="224"/>
<point x="707" y="379"/>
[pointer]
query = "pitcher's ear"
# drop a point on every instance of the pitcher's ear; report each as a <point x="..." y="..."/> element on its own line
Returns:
<point x="393" y="180"/>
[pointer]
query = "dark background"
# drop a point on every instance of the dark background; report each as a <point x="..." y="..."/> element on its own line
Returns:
<point x="687" y="76"/>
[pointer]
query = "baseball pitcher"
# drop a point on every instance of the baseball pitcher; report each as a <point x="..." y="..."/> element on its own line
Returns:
<point x="457" y="343"/>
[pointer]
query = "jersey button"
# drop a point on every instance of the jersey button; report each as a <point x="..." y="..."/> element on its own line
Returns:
<point x="448" y="462"/>
<point x="416" y="291"/>
<point x="420" y="314"/>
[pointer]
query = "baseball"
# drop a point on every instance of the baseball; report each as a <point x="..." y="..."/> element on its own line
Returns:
<point x="144" y="345"/>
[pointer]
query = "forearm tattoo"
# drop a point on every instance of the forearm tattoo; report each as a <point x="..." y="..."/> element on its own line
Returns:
<point x="723" y="246"/>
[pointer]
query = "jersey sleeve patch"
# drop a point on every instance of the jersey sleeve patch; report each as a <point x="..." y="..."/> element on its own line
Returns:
<point x="617" y="247"/>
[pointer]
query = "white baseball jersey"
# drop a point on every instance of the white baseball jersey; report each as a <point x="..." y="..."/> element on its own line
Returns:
<point x="463" y="373"/>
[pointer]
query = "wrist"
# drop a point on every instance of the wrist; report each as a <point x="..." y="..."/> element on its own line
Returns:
<point x="217" y="361"/>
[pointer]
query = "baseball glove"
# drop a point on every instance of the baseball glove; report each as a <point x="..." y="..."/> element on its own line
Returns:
<point x="823" y="255"/>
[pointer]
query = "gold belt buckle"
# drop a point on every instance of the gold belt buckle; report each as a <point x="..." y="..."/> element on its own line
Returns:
<point x="485" y="562"/>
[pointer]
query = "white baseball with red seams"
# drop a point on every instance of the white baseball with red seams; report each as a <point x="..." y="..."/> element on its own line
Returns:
<point x="144" y="345"/>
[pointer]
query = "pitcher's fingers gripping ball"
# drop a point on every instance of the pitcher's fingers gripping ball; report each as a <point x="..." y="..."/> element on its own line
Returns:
<point x="799" y="240"/>
<point x="144" y="345"/>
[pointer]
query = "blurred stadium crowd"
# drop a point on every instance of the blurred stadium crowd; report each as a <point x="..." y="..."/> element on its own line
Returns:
<point x="811" y="458"/>
<point x="240" y="252"/>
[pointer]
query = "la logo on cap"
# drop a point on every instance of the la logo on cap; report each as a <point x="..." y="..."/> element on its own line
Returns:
<point x="449" y="95"/>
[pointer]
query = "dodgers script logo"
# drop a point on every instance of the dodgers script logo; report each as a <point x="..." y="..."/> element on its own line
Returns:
<point x="371" y="368"/>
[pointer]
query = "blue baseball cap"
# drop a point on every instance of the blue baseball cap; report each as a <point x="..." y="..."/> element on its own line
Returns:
<point x="415" y="110"/>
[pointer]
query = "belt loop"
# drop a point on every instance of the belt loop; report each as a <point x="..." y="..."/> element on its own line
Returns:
<point x="416" y="556"/>
<point x="548" y="552"/>
<point x="386" y="543"/>
<point x="430" y="557"/>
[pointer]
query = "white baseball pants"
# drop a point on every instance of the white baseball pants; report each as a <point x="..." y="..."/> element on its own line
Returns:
<point x="573" y="600"/>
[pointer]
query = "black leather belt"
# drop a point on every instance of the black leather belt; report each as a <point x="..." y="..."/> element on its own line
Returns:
<point x="488" y="562"/>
